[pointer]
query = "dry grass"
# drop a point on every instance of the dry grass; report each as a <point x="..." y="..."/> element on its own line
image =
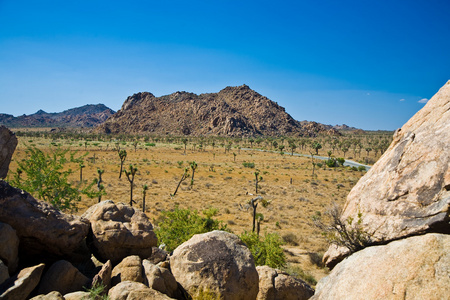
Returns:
<point x="222" y="183"/>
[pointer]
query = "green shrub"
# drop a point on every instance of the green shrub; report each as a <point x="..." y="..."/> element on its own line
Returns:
<point x="177" y="226"/>
<point x="267" y="250"/>
<point x="248" y="164"/>
<point x="298" y="272"/>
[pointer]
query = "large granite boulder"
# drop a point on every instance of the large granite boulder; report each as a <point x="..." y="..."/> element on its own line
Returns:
<point x="21" y="285"/>
<point x="216" y="262"/>
<point x="8" y="143"/>
<point x="413" y="268"/>
<point x="407" y="192"/>
<point x="9" y="247"/>
<point x="63" y="277"/>
<point x="129" y="269"/>
<point x="119" y="231"/>
<point x="103" y="277"/>
<point x="161" y="279"/>
<point x="44" y="231"/>
<point x="123" y="289"/>
<point x="275" y="284"/>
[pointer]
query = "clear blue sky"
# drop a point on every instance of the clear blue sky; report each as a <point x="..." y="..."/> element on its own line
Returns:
<point x="363" y="63"/>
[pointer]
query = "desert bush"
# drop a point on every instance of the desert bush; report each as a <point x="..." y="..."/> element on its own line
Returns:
<point x="267" y="250"/>
<point x="177" y="226"/>
<point x="298" y="272"/>
<point x="290" y="239"/>
<point x="248" y="164"/>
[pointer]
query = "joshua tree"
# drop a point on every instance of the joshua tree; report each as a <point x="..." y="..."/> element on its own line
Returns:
<point x="251" y="141"/>
<point x="100" y="186"/>
<point x="135" y="144"/>
<point x="313" y="162"/>
<point x="254" y="204"/>
<point x="259" y="219"/>
<point x="130" y="176"/>
<point x="316" y="146"/>
<point x="234" y="157"/>
<point x="144" y="193"/>
<point x="122" y="156"/>
<point x="185" y="175"/>
<point x="256" y="181"/>
<point x="185" y="141"/>
<point x="193" y="168"/>
<point x="293" y="146"/>
<point x="81" y="171"/>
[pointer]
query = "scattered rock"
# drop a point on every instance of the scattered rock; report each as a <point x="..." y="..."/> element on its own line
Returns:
<point x="104" y="276"/>
<point x="8" y="143"/>
<point x="160" y="279"/>
<point x="412" y="268"/>
<point x="44" y="232"/>
<point x="275" y="284"/>
<point x="21" y="285"/>
<point x="129" y="269"/>
<point x="119" y="231"/>
<point x="216" y="262"/>
<point x="407" y="192"/>
<point x="147" y="294"/>
<point x="4" y="274"/>
<point x="63" y="277"/>
<point x="77" y="296"/>
<point x="123" y="289"/>
<point x="9" y="247"/>
<point x="50" y="296"/>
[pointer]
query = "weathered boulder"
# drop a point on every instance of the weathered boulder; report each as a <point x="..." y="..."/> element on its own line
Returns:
<point x="160" y="279"/>
<point x="4" y="274"/>
<point x="44" y="232"/>
<point x="9" y="247"/>
<point x="21" y="285"/>
<point x="147" y="294"/>
<point x="103" y="277"/>
<point x="50" y="296"/>
<point x="77" y="296"/>
<point x="158" y="255"/>
<point x="216" y="262"/>
<point x="119" y="231"/>
<point x="129" y="269"/>
<point x="123" y="289"/>
<point x="8" y="143"/>
<point x="62" y="277"/>
<point x="412" y="268"/>
<point x="407" y="192"/>
<point x="275" y="284"/>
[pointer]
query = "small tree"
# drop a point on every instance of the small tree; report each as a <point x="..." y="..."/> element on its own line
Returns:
<point x="144" y="193"/>
<point x="100" y="186"/>
<point x="254" y="204"/>
<point x="193" y="168"/>
<point x="81" y="171"/>
<point x="183" y="178"/>
<point x="256" y="181"/>
<point x="135" y="144"/>
<point x="234" y="156"/>
<point x="122" y="156"/>
<point x="130" y="176"/>
<point x="185" y="141"/>
<point x="316" y="146"/>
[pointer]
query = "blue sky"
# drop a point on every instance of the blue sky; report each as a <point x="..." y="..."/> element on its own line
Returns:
<point x="363" y="63"/>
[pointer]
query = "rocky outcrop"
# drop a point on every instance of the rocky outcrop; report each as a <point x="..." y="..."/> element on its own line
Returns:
<point x="9" y="247"/>
<point x="234" y="111"/>
<point x="216" y="262"/>
<point x="129" y="269"/>
<point x="118" y="231"/>
<point x="412" y="268"/>
<point x="407" y="192"/>
<point x="21" y="285"/>
<point x="62" y="277"/>
<point x="160" y="279"/>
<point x="44" y="232"/>
<point x="275" y="284"/>
<point x="8" y="143"/>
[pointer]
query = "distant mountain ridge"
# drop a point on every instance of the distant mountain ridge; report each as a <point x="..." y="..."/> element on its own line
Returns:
<point x="88" y="115"/>
<point x="233" y="111"/>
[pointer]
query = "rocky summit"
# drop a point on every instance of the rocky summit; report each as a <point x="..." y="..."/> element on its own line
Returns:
<point x="234" y="111"/>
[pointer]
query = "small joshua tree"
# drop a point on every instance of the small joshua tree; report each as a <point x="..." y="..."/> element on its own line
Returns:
<point x="81" y="171"/>
<point x="122" y="156"/>
<point x="184" y="177"/>
<point x="144" y="193"/>
<point x="100" y="186"/>
<point x="256" y="181"/>
<point x="193" y="168"/>
<point x="130" y="176"/>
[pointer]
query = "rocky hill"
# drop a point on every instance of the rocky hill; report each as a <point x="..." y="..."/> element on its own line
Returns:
<point x="234" y="111"/>
<point x="85" y="116"/>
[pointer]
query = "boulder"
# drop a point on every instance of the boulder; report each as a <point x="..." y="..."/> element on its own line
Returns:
<point x="62" y="277"/>
<point x="44" y="232"/>
<point x="77" y="296"/>
<point x="50" y="296"/>
<point x="160" y="279"/>
<point x="218" y="263"/>
<point x="275" y="284"/>
<point x="158" y="255"/>
<point x="9" y="247"/>
<point x="21" y="285"/>
<point x="123" y="289"/>
<point x="407" y="192"/>
<point x="8" y="143"/>
<point x="129" y="269"/>
<point x="412" y="268"/>
<point x="119" y="231"/>
<point x="103" y="277"/>
<point x="4" y="274"/>
<point x="147" y="294"/>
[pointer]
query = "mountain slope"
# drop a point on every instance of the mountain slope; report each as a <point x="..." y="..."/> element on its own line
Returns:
<point x="234" y="111"/>
<point x="85" y="116"/>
